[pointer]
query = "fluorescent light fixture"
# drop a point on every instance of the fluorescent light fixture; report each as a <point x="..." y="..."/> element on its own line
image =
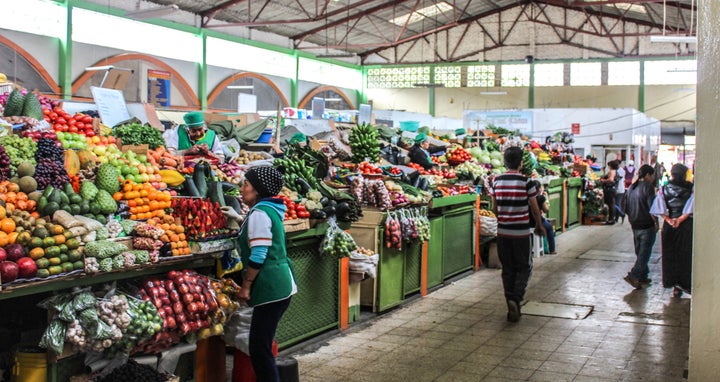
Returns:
<point x="241" y="87"/>
<point x="420" y="85"/>
<point x="675" y="39"/>
<point x="153" y="12"/>
<point x="422" y="13"/>
<point x="680" y="70"/>
<point x="493" y="93"/>
<point x="332" y="99"/>
<point x="95" y="68"/>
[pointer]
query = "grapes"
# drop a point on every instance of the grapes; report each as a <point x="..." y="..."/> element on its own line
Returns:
<point x="50" y="173"/>
<point x="19" y="150"/>
<point x="4" y="164"/>
<point x="48" y="149"/>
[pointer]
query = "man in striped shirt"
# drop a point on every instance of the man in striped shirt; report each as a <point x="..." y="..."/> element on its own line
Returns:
<point x="513" y="202"/>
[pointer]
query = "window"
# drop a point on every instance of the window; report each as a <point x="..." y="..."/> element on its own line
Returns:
<point x="549" y="74"/>
<point x="481" y="76"/>
<point x="450" y="76"/>
<point x="329" y="74"/>
<point x="229" y="54"/>
<point x="516" y="75"/>
<point x="420" y="14"/>
<point x="624" y="73"/>
<point x="679" y="72"/>
<point x="396" y="78"/>
<point x="136" y="36"/>
<point x="585" y="74"/>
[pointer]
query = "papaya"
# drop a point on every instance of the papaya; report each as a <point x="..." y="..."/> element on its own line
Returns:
<point x="172" y="177"/>
<point x="86" y="158"/>
<point x="72" y="163"/>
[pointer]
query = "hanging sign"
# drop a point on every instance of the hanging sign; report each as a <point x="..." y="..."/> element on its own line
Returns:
<point x="111" y="105"/>
<point x="575" y="129"/>
<point x="158" y="88"/>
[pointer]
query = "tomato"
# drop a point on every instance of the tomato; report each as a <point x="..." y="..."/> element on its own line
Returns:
<point x="87" y="119"/>
<point x="46" y="111"/>
<point x="73" y="129"/>
<point x="89" y="133"/>
<point x="80" y="125"/>
<point x="53" y="115"/>
<point x="71" y="122"/>
<point x="58" y="109"/>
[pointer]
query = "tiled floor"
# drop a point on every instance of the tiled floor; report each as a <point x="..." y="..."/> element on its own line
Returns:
<point x="459" y="332"/>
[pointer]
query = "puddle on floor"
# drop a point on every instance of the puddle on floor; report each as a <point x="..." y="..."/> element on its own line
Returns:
<point x="649" y="318"/>
<point x="557" y="310"/>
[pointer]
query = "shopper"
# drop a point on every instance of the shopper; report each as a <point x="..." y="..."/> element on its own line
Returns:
<point x="514" y="199"/>
<point x="544" y="205"/>
<point x="194" y="137"/>
<point x="659" y="173"/>
<point x="629" y="170"/>
<point x="639" y="198"/>
<point x="421" y="150"/>
<point x="609" y="182"/>
<point x="674" y="204"/>
<point x="269" y="281"/>
<point x="620" y="193"/>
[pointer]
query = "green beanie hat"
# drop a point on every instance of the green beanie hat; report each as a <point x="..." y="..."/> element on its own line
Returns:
<point x="420" y="138"/>
<point x="194" y="119"/>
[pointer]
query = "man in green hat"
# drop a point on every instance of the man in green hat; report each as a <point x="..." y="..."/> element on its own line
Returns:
<point x="421" y="150"/>
<point x="194" y="137"/>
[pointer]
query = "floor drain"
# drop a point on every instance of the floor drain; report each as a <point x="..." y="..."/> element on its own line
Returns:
<point x="557" y="310"/>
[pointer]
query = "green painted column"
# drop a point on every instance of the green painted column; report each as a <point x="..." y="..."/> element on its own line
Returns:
<point x="531" y="90"/>
<point x="294" y="82"/>
<point x="202" y="78"/>
<point x="641" y="93"/>
<point x="65" y="67"/>
<point x="431" y="93"/>
<point x="361" y="94"/>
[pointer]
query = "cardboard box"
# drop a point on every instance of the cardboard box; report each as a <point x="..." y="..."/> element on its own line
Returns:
<point x="137" y="149"/>
<point x="238" y="120"/>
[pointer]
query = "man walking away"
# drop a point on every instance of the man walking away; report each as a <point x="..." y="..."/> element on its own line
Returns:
<point x="639" y="198"/>
<point x="514" y="198"/>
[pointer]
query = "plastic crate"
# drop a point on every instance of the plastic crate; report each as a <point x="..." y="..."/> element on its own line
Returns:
<point x="411" y="126"/>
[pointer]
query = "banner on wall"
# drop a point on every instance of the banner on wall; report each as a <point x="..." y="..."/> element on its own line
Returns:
<point x="158" y="87"/>
<point x="511" y="120"/>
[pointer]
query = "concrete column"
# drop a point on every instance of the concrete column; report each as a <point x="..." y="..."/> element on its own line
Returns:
<point x="705" y="311"/>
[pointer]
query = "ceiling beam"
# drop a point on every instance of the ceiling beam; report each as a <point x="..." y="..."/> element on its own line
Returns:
<point x="210" y="13"/>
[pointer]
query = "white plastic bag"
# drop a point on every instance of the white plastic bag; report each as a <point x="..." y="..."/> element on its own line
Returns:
<point x="237" y="329"/>
<point x="488" y="226"/>
<point x="367" y="265"/>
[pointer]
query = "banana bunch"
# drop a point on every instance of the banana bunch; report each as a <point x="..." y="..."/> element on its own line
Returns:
<point x="364" y="144"/>
<point x="528" y="164"/>
<point x="543" y="156"/>
<point x="486" y="213"/>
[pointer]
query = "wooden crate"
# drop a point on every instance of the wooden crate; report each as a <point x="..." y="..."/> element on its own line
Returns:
<point x="296" y="225"/>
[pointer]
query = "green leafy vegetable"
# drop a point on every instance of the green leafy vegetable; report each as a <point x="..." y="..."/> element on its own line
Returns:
<point x="137" y="134"/>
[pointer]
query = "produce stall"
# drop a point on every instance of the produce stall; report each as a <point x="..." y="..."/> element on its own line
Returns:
<point x="556" y="202"/>
<point x="574" y="191"/>
<point x="453" y="223"/>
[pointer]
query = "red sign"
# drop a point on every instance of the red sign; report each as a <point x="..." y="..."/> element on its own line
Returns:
<point x="575" y="128"/>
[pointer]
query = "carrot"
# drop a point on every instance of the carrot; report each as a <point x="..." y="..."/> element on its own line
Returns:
<point x="168" y="162"/>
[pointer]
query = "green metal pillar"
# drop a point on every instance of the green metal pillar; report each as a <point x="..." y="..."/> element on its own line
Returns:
<point x="531" y="91"/>
<point x="641" y="93"/>
<point x="361" y="94"/>
<point x="431" y="93"/>
<point x="202" y="80"/>
<point x="65" y="67"/>
<point x="294" y="82"/>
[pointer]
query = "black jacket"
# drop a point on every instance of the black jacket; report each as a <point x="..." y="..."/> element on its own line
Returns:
<point x="676" y="195"/>
<point x="417" y="155"/>
<point x="639" y="198"/>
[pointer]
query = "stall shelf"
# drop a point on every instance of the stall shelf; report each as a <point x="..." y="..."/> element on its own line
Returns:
<point x="556" y="203"/>
<point x="453" y="222"/>
<point x="574" y="186"/>
<point x="316" y="309"/>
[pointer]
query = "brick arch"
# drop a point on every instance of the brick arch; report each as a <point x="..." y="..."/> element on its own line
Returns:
<point x="34" y="63"/>
<point x="229" y="80"/>
<point x="185" y="89"/>
<point x="321" y="89"/>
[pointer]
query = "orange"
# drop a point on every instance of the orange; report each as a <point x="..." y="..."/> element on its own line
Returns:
<point x="13" y="187"/>
<point x="4" y="239"/>
<point x="118" y="196"/>
<point x="2" y="213"/>
<point x="7" y="225"/>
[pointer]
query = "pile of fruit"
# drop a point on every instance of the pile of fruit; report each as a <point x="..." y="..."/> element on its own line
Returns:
<point x="364" y="144"/>
<point x="201" y="218"/>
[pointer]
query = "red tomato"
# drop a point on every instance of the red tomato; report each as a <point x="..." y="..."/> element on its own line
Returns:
<point x="80" y="125"/>
<point x="46" y="111"/>
<point x="73" y="129"/>
<point x="89" y="133"/>
<point x="67" y="116"/>
<point x="53" y="115"/>
<point x="58" y="109"/>
<point x="87" y="119"/>
<point x="71" y="122"/>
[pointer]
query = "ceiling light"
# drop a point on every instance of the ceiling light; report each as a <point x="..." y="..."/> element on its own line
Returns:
<point x="676" y="39"/>
<point x="152" y="12"/>
<point x="241" y="87"/>
<point x="332" y="99"/>
<point x="421" y="85"/>
<point x="493" y="93"/>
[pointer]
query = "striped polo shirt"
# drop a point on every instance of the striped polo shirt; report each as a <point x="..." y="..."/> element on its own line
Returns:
<point x="512" y="191"/>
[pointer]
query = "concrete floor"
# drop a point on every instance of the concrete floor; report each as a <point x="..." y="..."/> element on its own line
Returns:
<point x="460" y="333"/>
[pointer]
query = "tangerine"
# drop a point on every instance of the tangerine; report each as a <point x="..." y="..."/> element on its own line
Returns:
<point x="7" y="225"/>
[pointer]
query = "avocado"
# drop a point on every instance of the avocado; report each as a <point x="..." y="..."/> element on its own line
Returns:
<point x="75" y="209"/>
<point x="68" y="189"/>
<point x="41" y="204"/>
<point x="75" y="199"/>
<point x="64" y="199"/>
<point x="48" y="191"/>
<point x="84" y="207"/>
<point x="51" y="208"/>
<point x="66" y="208"/>
<point x="55" y="197"/>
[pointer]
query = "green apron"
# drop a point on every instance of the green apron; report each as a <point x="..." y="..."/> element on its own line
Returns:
<point x="184" y="142"/>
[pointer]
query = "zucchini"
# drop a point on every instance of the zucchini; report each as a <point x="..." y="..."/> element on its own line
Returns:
<point x="190" y="187"/>
<point x="200" y="174"/>
<point x="215" y="193"/>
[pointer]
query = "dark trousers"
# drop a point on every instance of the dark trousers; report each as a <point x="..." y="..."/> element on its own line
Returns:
<point x="609" y="199"/>
<point x="550" y="234"/>
<point x="264" y="323"/>
<point x="618" y="206"/>
<point x="514" y="254"/>
<point x="644" y="240"/>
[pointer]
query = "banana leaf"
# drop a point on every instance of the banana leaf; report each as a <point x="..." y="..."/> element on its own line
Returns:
<point x="243" y="134"/>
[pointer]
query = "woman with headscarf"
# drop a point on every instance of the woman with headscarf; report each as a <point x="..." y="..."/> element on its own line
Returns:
<point x="421" y="150"/>
<point x="269" y="280"/>
<point x="674" y="205"/>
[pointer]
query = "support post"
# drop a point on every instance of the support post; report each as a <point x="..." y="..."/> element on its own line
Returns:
<point x="344" y="292"/>
<point x="424" y="269"/>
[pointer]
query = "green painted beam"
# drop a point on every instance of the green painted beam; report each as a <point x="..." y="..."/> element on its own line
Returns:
<point x="65" y="53"/>
<point x="294" y="88"/>
<point x="202" y="79"/>
<point x="531" y="89"/>
<point x="641" y="92"/>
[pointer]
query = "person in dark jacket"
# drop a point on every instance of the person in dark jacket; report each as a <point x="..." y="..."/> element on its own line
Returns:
<point x="421" y="150"/>
<point x="674" y="204"/>
<point x="639" y="198"/>
<point x="609" y="183"/>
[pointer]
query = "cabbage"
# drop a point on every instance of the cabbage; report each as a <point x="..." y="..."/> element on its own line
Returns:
<point x="496" y="163"/>
<point x="496" y="155"/>
<point x="484" y="159"/>
<point x="476" y="152"/>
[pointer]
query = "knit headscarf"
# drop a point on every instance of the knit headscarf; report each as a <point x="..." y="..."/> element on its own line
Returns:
<point x="266" y="180"/>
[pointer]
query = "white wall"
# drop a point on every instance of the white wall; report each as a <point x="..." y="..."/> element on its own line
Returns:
<point x="45" y="49"/>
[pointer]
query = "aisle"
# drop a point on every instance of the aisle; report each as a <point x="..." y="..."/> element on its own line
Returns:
<point x="459" y="332"/>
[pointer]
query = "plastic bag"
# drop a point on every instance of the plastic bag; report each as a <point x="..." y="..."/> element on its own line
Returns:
<point x="361" y="263"/>
<point x="230" y="262"/>
<point x="393" y="232"/>
<point x="237" y="329"/>
<point x="337" y="242"/>
<point x="488" y="226"/>
<point x="54" y="337"/>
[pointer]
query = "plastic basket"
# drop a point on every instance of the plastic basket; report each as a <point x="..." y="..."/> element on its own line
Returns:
<point x="411" y="126"/>
<point x="265" y="136"/>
